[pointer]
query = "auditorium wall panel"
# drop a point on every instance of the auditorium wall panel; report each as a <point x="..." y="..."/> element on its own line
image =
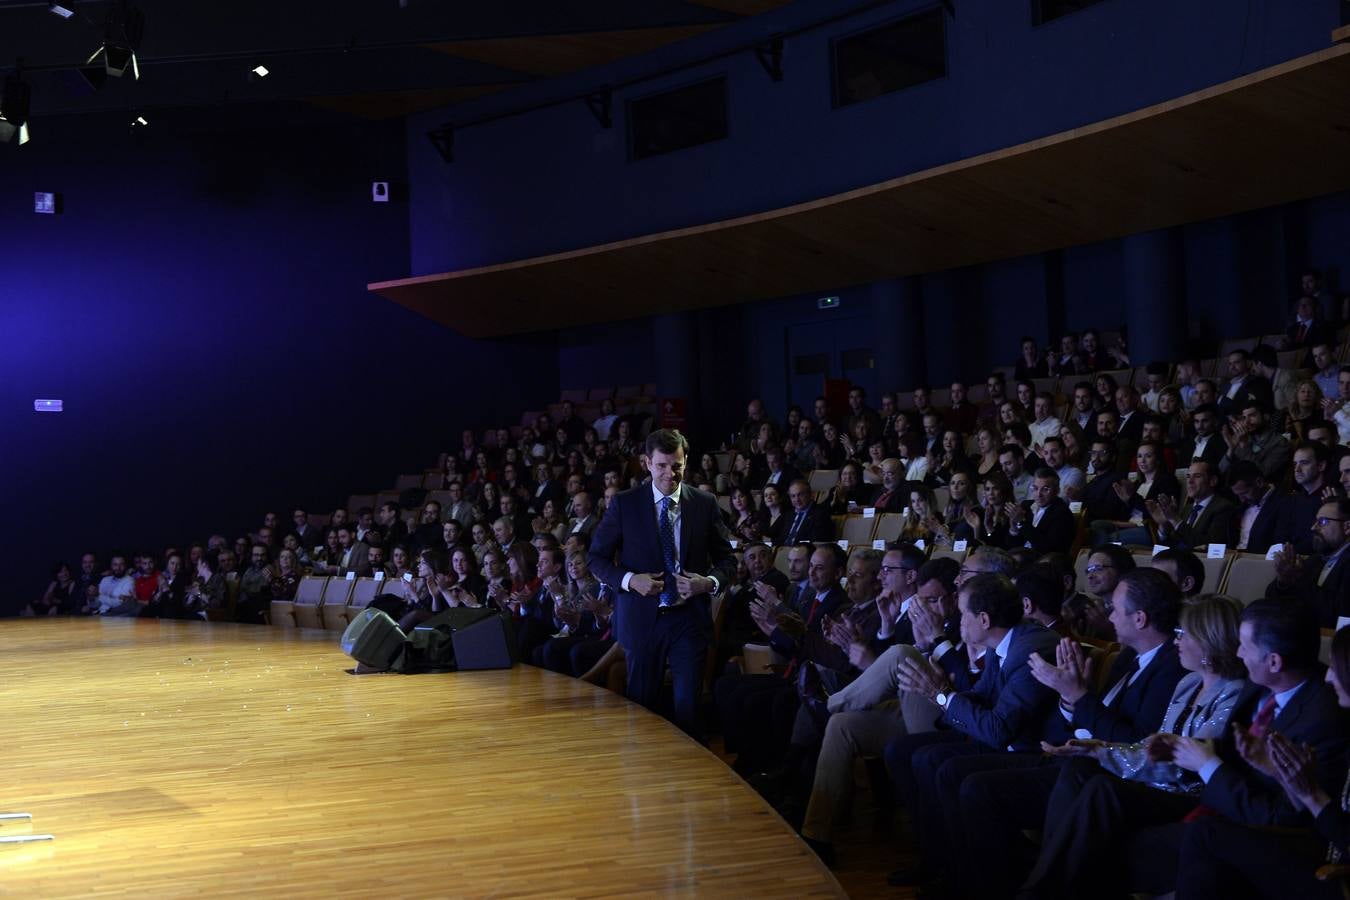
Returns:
<point x="200" y="306"/>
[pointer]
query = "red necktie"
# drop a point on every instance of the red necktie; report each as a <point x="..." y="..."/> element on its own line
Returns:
<point x="1264" y="717"/>
<point x="1302" y="333"/>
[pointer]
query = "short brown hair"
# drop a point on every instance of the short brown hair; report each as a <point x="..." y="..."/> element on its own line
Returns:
<point x="667" y="440"/>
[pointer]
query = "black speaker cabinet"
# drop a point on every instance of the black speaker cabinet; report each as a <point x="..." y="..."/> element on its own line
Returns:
<point x="482" y="638"/>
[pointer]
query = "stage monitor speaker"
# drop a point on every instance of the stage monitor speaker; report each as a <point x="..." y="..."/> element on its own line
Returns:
<point x="481" y="638"/>
<point x="374" y="640"/>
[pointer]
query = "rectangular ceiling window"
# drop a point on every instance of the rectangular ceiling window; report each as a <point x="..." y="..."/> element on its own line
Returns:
<point x="674" y="120"/>
<point x="1043" y="11"/>
<point x="890" y="58"/>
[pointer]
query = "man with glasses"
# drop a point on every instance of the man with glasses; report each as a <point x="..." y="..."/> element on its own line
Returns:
<point x="865" y="716"/>
<point x="1100" y="499"/>
<point x="1105" y="567"/>
<point x="1322" y="579"/>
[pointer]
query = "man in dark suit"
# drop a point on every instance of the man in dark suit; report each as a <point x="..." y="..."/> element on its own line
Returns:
<point x="583" y="516"/>
<point x="1005" y="711"/>
<point x="781" y="472"/>
<point x="809" y="520"/>
<point x="309" y="536"/>
<point x="665" y="549"/>
<point x="893" y="496"/>
<point x="1207" y="444"/>
<point x="546" y="488"/>
<point x="1002" y="795"/>
<point x="1043" y="522"/>
<point x="1323" y="580"/>
<point x="1205" y="518"/>
<point x="355" y="555"/>
<point x="745" y="702"/>
<point x="1100" y="500"/>
<point x="1108" y="827"/>
<point x="1244" y="387"/>
<point x="1269" y="516"/>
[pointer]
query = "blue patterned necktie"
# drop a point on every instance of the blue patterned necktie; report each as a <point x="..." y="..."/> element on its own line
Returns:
<point x="668" y="593"/>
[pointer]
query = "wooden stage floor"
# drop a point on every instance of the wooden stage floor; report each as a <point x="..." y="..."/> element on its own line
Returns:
<point x="173" y="758"/>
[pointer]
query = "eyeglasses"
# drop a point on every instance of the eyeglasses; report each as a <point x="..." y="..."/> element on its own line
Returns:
<point x="1095" y="568"/>
<point x="1179" y="632"/>
<point x="1323" y="521"/>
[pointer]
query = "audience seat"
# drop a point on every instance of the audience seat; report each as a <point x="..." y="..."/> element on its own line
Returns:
<point x="308" y="595"/>
<point x="1290" y="359"/>
<point x="356" y="501"/>
<point x="724" y="461"/>
<point x="724" y="501"/>
<point x="1122" y="376"/>
<point x="904" y="401"/>
<point x="1215" y="570"/>
<point x="335" y="617"/>
<point x="939" y="397"/>
<point x="889" y="526"/>
<point x="576" y="395"/>
<point x="949" y="553"/>
<point x="336" y="594"/>
<point x="320" y="520"/>
<point x="597" y="394"/>
<point x="384" y="497"/>
<point x="408" y="482"/>
<point x="1046" y="385"/>
<point x="858" y="530"/>
<point x="627" y="391"/>
<point x="824" y="479"/>
<point x="1248" y="577"/>
<point x="780" y="559"/>
<point x="942" y="496"/>
<point x="1228" y="345"/>
<point x="976" y="393"/>
<point x="441" y="497"/>
<point x="1080" y="569"/>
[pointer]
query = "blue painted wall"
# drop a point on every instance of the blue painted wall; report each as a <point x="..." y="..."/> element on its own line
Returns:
<point x="201" y="308"/>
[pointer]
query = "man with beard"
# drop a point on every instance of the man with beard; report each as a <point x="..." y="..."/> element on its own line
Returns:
<point x="1322" y="579"/>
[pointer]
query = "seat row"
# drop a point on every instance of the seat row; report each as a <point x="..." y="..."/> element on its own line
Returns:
<point x="326" y="602"/>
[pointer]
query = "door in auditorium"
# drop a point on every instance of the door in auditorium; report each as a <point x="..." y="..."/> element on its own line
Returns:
<point x="834" y="349"/>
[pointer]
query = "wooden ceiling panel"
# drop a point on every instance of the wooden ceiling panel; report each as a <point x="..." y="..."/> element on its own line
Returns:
<point x="558" y="54"/>
<point x="1272" y="137"/>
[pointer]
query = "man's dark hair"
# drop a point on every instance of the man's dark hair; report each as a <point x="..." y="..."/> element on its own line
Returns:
<point x="390" y="504"/>
<point x="1046" y="396"/>
<point x="1188" y="566"/>
<point x="364" y="511"/>
<point x="1083" y="385"/>
<point x="1154" y="594"/>
<point x="1264" y="355"/>
<point x="1244" y="470"/>
<point x="998" y="376"/>
<point x="1043" y="587"/>
<point x="1319" y="450"/>
<point x="1156" y="368"/>
<point x="1286" y="627"/>
<point x="581" y="538"/>
<point x="1047" y="473"/>
<point x="547" y="537"/>
<point x="1119" y="556"/>
<point x="995" y="596"/>
<point x="911" y="557"/>
<point x="436" y="561"/>
<point x="944" y="570"/>
<point x="1240" y="352"/>
<point x="666" y="440"/>
<point x="1053" y="439"/>
<point x="1015" y="450"/>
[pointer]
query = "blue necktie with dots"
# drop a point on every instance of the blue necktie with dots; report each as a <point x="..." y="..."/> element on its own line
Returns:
<point x="668" y="594"/>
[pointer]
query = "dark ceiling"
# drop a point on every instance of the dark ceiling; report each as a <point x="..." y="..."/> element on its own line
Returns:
<point x="369" y="58"/>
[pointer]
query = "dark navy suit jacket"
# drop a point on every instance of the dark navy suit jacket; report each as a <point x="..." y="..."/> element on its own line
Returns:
<point x="628" y="533"/>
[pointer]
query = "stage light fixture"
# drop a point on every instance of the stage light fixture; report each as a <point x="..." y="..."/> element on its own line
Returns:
<point x="260" y="71"/>
<point x="122" y="33"/>
<point x="14" y="106"/>
<point x="117" y="59"/>
<point x="139" y="120"/>
<point x="64" y="10"/>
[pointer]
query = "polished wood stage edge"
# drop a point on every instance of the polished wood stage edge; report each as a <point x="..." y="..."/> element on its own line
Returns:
<point x="175" y="758"/>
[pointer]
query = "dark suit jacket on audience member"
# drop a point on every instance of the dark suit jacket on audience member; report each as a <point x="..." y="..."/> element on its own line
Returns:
<point x="1139" y="708"/>
<point x="1284" y="518"/>
<point x="1331" y="599"/>
<point x="817" y="526"/>
<point x="1054" y="534"/>
<point x="1007" y="707"/>
<point x="1218" y="524"/>
<point x="1312" y="716"/>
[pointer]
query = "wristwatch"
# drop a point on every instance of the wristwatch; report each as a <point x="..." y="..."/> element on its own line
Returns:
<point x="942" y="699"/>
